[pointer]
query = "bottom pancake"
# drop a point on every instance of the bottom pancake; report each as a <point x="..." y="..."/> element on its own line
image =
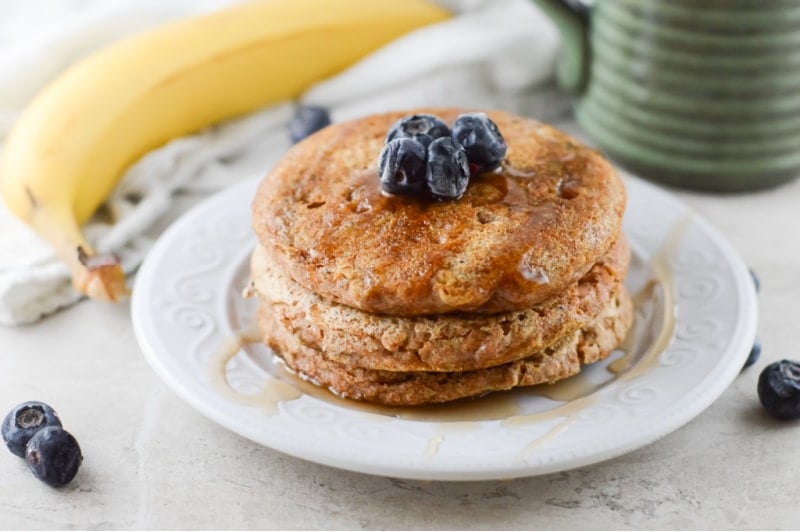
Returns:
<point x="593" y="342"/>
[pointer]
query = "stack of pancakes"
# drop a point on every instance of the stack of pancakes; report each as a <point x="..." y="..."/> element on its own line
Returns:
<point x="407" y="301"/>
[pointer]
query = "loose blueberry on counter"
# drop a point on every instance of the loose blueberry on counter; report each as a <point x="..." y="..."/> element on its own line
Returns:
<point x="755" y="353"/>
<point x="482" y="141"/>
<point x="53" y="456"/>
<point x="24" y="421"/>
<point x="402" y="167"/>
<point x="448" y="169"/>
<point x="422" y="128"/>
<point x="307" y="119"/>
<point x="779" y="389"/>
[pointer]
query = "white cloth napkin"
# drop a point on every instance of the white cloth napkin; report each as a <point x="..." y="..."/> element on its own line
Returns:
<point x="492" y="54"/>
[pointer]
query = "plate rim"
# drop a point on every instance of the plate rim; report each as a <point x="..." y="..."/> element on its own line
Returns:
<point x="684" y="411"/>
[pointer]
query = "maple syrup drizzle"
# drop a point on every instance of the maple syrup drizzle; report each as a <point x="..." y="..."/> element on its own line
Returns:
<point x="272" y="392"/>
<point x="650" y="335"/>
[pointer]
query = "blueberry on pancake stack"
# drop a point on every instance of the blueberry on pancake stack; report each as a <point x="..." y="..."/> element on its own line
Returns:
<point x="415" y="258"/>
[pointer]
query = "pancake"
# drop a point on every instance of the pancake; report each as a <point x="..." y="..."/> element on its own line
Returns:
<point x="451" y="342"/>
<point x="516" y="238"/>
<point x="591" y="343"/>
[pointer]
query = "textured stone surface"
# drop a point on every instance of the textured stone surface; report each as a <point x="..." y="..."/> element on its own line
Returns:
<point x="153" y="462"/>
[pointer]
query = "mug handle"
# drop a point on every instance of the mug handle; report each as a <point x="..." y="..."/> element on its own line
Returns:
<point x="572" y="19"/>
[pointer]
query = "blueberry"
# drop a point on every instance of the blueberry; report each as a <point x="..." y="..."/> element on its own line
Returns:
<point x="24" y="421"/>
<point x="448" y="170"/>
<point x="307" y="119"/>
<point x="755" y="352"/>
<point x="402" y="167"/>
<point x="756" y="281"/>
<point x="779" y="389"/>
<point x="422" y="128"/>
<point x="54" y="456"/>
<point x="482" y="141"/>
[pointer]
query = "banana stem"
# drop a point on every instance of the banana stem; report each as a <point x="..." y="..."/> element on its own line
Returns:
<point x="98" y="276"/>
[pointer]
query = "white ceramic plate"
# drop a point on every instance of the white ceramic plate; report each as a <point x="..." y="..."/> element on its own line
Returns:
<point x="187" y="304"/>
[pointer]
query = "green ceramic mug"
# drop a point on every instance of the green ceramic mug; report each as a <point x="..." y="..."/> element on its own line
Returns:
<point x="702" y="94"/>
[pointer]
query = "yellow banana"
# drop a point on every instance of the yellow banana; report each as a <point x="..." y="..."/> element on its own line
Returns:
<point x="72" y="144"/>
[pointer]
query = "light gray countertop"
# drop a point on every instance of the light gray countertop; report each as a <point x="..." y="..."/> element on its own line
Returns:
<point x="151" y="461"/>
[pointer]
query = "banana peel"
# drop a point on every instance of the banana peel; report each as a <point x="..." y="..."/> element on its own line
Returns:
<point x="72" y="144"/>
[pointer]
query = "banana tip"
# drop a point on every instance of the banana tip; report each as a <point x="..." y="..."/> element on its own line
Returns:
<point x="100" y="277"/>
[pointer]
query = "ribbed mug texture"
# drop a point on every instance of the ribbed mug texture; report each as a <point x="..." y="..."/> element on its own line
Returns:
<point x="697" y="93"/>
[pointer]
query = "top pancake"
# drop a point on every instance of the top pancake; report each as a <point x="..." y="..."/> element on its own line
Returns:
<point x="516" y="237"/>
